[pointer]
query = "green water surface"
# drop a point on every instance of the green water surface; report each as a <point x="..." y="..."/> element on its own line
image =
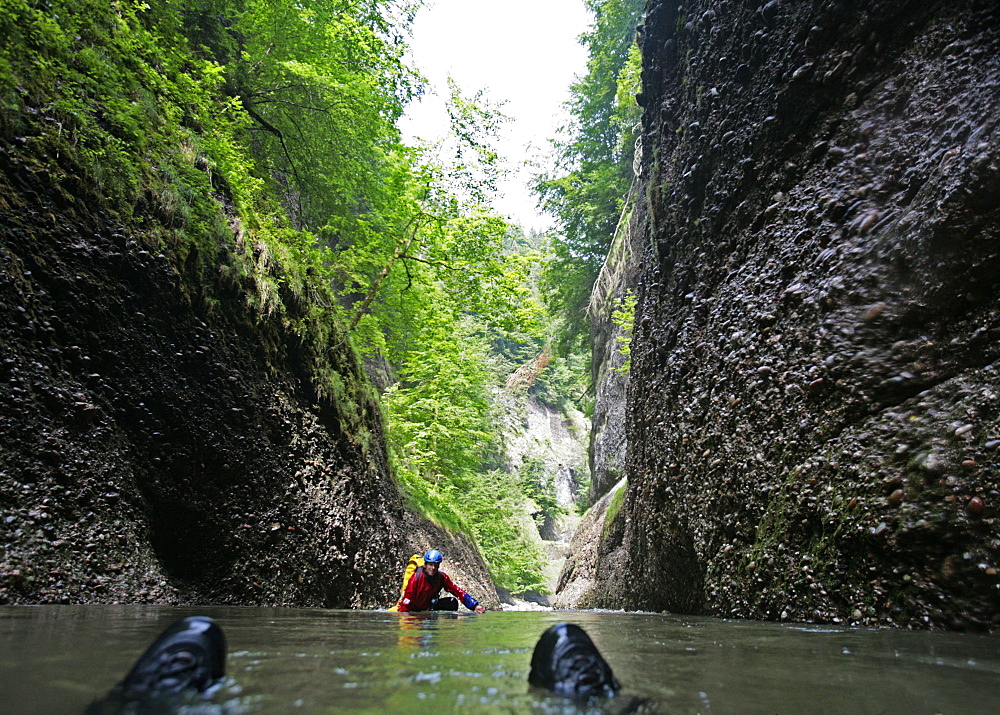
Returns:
<point x="57" y="659"/>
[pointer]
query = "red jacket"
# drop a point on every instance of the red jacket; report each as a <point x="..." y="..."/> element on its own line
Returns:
<point x="423" y="588"/>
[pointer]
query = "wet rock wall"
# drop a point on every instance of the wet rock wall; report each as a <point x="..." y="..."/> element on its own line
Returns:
<point x="813" y="407"/>
<point x="610" y="371"/>
<point x="162" y="440"/>
<point x="607" y="442"/>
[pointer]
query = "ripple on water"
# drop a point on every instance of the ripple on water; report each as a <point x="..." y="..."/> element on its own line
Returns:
<point x="351" y="661"/>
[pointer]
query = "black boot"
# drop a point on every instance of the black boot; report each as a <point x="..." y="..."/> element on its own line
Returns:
<point x="568" y="663"/>
<point x="444" y="604"/>
<point x="187" y="659"/>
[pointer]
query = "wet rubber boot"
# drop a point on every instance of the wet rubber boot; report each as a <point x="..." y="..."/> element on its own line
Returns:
<point x="187" y="659"/>
<point x="568" y="663"/>
<point x="444" y="604"/>
<point x="189" y="655"/>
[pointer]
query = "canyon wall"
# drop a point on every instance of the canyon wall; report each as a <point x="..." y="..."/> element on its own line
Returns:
<point x="614" y="288"/>
<point x="161" y="438"/>
<point x="812" y="419"/>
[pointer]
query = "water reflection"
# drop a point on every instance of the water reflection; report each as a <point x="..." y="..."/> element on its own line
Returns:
<point x="416" y="630"/>
<point x="57" y="659"/>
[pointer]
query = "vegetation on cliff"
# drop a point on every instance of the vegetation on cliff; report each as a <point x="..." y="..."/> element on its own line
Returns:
<point x="587" y="187"/>
<point x="253" y="145"/>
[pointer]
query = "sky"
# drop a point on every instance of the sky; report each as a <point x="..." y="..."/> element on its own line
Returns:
<point x="524" y="53"/>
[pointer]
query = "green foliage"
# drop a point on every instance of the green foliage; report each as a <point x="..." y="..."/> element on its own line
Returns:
<point x="443" y="439"/>
<point x="254" y="143"/>
<point x="439" y="414"/>
<point x="129" y="108"/>
<point x="613" y="509"/>
<point x="565" y="382"/>
<point x="435" y="241"/>
<point x="433" y="501"/>
<point x="585" y="190"/>
<point x="108" y="103"/>
<point x="584" y="489"/>
<point x="493" y="504"/>
<point x="475" y="123"/>
<point x="624" y="317"/>
<point x="323" y="82"/>
<point x="538" y="486"/>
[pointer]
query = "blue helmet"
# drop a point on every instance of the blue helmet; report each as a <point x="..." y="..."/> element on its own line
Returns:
<point x="433" y="557"/>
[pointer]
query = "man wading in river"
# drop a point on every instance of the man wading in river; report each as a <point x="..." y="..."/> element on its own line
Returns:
<point x="421" y="590"/>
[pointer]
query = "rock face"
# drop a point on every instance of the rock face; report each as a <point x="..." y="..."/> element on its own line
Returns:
<point x="813" y="409"/>
<point x="553" y="438"/>
<point x="614" y="286"/>
<point x="577" y="581"/>
<point x="607" y="439"/>
<point x="162" y="446"/>
<point x="546" y="447"/>
<point x="542" y="439"/>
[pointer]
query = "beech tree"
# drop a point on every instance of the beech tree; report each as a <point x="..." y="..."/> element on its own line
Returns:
<point x="437" y="242"/>
<point x="586" y="187"/>
<point x="323" y="83"/>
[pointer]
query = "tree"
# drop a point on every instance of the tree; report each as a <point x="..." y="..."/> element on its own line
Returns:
<point x="439" y="412"/>
<point x="437" y="240"/>
<point x="253" y="143"/>
<point x="324" y="82"/>
<point x="586" y="188"/>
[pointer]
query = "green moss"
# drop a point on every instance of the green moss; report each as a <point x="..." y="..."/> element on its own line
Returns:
<point x="613" y="509"/>
<point x="425" y="499"/>
<point x="773" y="525"/>
<point x="110" y="105"/>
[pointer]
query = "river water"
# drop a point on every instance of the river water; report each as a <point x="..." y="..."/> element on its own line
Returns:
<point x="57" y="659"/>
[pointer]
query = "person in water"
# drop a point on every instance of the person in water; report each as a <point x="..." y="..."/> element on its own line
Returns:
<point x="424" y="587"/>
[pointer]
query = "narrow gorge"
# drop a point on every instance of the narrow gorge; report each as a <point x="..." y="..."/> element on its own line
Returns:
<point x="805" y="425"/>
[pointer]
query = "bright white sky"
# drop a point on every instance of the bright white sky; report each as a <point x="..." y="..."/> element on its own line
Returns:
<point x="524" y="53"/>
